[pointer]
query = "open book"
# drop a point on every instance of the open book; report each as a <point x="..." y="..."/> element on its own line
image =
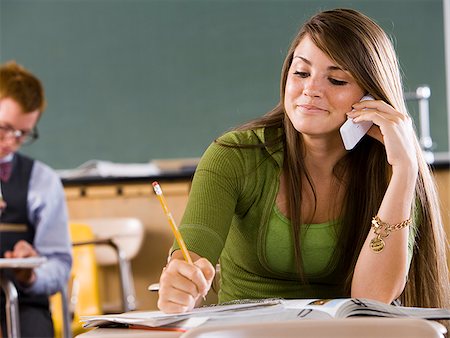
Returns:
<point x="352" y="307"/>
<point x="264" y="310"/>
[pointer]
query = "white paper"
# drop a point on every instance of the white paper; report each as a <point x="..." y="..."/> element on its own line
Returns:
<point x="158" y="318"/>
<point x="95" y="168"/>
<point x="29" y="262"/>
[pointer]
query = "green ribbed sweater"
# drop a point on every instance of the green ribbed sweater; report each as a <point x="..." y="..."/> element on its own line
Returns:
<point x="231" y="215"/>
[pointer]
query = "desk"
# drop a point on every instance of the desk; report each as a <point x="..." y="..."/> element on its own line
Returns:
<point x="368" y="327"/>
<point x="11" y="295"/>
<point x="12" y="307"/>
<point x="127" y="333"/>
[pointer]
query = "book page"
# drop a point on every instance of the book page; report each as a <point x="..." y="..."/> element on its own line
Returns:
<point x="316" y="308"/>
<point x="350" y="307"/>
<point x="368" y="307"/>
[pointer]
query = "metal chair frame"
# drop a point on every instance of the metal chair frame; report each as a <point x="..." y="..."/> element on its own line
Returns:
<point x="126" y="277"/>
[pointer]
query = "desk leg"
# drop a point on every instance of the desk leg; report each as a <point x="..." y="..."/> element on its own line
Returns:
<point x="12" y="308"/>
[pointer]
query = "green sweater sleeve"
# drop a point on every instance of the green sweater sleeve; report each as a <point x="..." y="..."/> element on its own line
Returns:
<point x="213" y="198"/>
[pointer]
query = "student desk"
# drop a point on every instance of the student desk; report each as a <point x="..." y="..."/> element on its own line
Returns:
<point x="11" y="294"/>
<point x="128" y="333"/>
<point x="367" y="327"/>
<point x="12" y="307"/>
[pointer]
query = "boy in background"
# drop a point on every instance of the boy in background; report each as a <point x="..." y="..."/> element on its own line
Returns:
<point x="34" y="219"/>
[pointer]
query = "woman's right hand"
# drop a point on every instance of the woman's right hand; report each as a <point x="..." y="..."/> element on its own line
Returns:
<point x="182" y="285"/>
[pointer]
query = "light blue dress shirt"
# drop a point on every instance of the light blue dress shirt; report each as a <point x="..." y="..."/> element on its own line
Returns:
<point x="47" y="212"/>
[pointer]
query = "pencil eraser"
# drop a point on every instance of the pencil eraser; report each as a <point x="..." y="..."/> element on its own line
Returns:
<point x="157" y="188"/>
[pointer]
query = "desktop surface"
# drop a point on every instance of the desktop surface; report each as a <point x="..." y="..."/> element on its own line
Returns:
<point x="368" y="327"/>
<point x="128" y="333"/>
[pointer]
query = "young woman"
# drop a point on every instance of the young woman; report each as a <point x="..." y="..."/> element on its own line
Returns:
<point x="291" y="213"/>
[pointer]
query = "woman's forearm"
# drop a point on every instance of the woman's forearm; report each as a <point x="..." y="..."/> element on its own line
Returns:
<point x="382" y="275"/>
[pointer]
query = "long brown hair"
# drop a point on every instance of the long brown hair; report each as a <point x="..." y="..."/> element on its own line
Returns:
<point x="359" y="45"/>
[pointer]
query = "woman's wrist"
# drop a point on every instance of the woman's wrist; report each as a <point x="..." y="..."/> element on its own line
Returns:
<point x="408" y="170"/>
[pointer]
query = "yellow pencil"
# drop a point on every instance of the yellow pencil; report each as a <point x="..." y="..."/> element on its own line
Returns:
<point x="174" y="227"/>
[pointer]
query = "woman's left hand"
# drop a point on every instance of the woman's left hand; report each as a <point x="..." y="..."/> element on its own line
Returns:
<point x="392" y="128"/>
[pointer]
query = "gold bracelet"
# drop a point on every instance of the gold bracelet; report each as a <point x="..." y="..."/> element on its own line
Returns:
<point x="383" y="230"/>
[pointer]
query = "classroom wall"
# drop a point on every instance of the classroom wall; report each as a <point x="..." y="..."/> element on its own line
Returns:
<point x="134" y="80"/>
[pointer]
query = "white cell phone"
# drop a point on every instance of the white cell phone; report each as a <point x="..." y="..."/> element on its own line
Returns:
<point x="352" y="132"/>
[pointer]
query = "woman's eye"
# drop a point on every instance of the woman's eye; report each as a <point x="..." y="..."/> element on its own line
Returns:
<point x="301" y="74"/>
<point x="337" y="82"/>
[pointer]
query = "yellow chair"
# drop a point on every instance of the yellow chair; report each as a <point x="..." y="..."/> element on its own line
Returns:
<point x="83" y="297"/>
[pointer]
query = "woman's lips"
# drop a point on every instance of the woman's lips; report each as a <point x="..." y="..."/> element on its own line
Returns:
<point x="308" y="108"/>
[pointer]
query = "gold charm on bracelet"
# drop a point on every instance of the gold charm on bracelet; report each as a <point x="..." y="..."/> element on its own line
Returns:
<point x="382" y="230"/>
<point x="377" y="244"/>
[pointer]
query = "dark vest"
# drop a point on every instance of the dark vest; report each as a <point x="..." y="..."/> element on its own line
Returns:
<point x="14" y="222"/>
<point x="15" y="194"/>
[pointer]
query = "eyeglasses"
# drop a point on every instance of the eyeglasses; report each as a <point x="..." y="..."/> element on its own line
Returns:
<point x="19" y="136"/>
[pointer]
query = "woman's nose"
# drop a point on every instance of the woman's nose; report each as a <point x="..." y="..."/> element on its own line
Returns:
<point x="312" y="88"/>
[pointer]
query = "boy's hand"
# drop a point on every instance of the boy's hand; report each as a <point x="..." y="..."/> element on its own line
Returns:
<point x="23" y="249"/>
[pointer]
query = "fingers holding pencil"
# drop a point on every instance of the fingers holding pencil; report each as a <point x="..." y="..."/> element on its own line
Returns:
<point x="183" y="285"/>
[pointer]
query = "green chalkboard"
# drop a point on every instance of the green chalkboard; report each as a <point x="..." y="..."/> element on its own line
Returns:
<point x="134" y="80"/>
